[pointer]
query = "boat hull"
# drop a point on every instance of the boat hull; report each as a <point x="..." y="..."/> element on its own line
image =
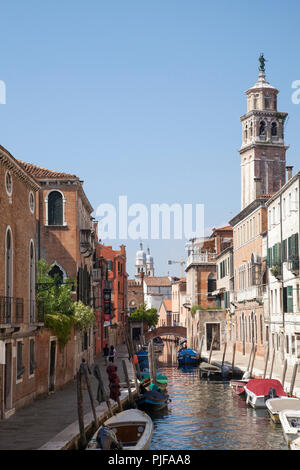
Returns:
<point x="121" y="425"/>
<point x="238" y="387"/>
<point x="290" y="430"/>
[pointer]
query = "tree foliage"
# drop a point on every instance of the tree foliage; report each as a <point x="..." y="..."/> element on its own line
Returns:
<point x="149" y="316"/>
<point x="61" y="312"/>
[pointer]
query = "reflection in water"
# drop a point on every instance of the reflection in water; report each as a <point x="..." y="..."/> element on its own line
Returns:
<point x="207" y="415"/>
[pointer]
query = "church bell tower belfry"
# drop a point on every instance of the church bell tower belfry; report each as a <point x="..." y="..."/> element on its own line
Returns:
<point x="263" y="150"/>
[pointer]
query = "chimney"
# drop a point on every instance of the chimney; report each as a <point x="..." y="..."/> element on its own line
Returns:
<point x="257" y="187"/>
<point x="289" y="172"/>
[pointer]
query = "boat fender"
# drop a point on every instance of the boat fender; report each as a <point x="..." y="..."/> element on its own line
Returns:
<point x="169" y="400"/>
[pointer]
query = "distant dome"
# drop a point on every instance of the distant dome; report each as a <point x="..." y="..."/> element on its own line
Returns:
<point x="140" y="254"/>
<point x="149" y="258"/>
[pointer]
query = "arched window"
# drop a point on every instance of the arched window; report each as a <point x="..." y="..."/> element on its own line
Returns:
<point x="55" y="208"/>
<point x="246" y="132"/>
<point x="55" y="271"/>
<point x="262" y="128"/>
<point x="274" y="128"/>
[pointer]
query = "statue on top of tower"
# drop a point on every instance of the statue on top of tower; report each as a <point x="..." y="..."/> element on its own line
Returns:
<point x="262" y="61"/>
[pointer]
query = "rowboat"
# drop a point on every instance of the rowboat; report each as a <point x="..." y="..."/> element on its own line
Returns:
<point x="258" y="391"/>
<point x="238" y="386"/>
<point x="188" y="357"/>
<point x="295" y="445"/>
<point x="129" y="430"/>
<point x="153" y="401"/>
<point x="146" y="385"/>
<point x="275" y="405"/>
<point x="290" y="422"/>
<point x="161" y="379"/>
<point x="206" y="369"/>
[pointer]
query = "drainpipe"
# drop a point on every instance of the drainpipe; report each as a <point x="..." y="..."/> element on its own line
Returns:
<point x="281" y="297"/>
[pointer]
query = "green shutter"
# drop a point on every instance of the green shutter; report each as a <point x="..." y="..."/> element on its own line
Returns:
<point x="290" y="298"/>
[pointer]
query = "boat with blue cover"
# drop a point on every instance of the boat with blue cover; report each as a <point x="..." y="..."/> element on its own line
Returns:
<point x="142" y="356"/>
<point x="188" y="357"/>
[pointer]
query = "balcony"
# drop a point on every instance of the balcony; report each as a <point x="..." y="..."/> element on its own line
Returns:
<point x="36" y="312"/>
<point x="86" y="242"/>
<point x="251" y="293"/>
<point x="276" y="270"/>
<point x="201" y="258"/>
<point x="11" y="311"/>
<point x="293" y="265"/>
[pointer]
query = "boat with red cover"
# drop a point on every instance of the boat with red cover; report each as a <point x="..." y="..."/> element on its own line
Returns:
<point x="260" y="390"/>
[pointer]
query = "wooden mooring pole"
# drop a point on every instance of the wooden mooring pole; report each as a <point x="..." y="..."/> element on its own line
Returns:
<point x="201" y="345"/>
<point x="293" y="378"/>
<point x="266" y="361"/>
<point x="272" y="364"/>
<point x="233" y="358"/>
<point x="250" y="357"/>
<point x="224" y="352"/>
<point x="210" y="351"/>
<point x="253" y="359"/>
<point x="83" y="440"/>
<point x="88" y="383"/>
<point x="131" y="400"/>
<point x="284" y="372"/>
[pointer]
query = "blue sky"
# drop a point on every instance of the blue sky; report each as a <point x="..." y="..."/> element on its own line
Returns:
<point x="143" y="98"/>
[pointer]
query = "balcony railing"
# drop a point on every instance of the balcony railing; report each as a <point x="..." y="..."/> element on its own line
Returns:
<point x="11" y="310"/>
<point x="86" y="243"/>
<point x="201" y="258"/>
<point x="36" y="311"/>
<point x="15" y="311"/>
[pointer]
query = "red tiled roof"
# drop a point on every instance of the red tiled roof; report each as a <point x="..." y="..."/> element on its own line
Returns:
<point x="39" y="172"/>
<point x="157" y="281"/>
<point x="168" y="304"/>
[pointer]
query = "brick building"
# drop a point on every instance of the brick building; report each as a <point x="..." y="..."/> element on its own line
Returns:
<point x="115" y="309"/>
<point x="65" y="239"/>
<point x="19" y="316"/>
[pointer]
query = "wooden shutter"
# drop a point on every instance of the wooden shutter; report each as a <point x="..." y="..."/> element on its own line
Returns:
<point x="290" y="298"/>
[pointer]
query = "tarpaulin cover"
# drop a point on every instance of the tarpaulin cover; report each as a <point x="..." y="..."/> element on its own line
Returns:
<point x="261" y="387"/>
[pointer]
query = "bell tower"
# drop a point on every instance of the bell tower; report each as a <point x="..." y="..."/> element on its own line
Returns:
<point x="263" y="150"/>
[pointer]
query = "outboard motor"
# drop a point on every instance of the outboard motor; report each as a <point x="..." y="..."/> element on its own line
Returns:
<point x="107" y="440"/>
<point x="272" y="393"/>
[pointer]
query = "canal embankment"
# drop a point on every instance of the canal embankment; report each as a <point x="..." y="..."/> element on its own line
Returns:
<point x="52" y="421"/>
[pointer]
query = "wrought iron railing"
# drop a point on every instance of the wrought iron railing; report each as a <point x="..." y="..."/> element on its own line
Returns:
<point x="11" y="310"/>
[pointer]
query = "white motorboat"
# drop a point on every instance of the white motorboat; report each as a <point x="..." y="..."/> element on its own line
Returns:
<point x="129" y="430"/>
<point x="295" y="445"/>
<point x="290" y="422"/>
<point x="258" y="391"/>
<point x="275" y="405"/>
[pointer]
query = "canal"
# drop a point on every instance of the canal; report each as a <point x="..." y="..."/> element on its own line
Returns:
<point x="206" y="414"/>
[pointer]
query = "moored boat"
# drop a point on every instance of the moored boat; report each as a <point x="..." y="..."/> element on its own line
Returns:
<point x="129" y="430"/>
<point x="142" y="356"/>
<point x="153" y="400"/>
<point x="290" y="422"/>
<point x="238" y="386"/>
<point x="275" y="405"/>
<point x="206" y="369"/>
<point x="258" y="391"/>
<point x="295" y="444"/>
<point x="188" y="357"/>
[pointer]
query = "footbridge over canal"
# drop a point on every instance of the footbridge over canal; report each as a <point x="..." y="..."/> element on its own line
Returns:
<point x="166" y="331"/>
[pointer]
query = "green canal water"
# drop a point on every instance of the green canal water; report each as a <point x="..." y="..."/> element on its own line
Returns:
<point x="206" y="414"/>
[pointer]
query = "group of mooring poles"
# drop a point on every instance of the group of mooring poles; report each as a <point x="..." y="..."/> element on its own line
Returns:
<point x="82" y="377"/>
<point x="224" y="352"/>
